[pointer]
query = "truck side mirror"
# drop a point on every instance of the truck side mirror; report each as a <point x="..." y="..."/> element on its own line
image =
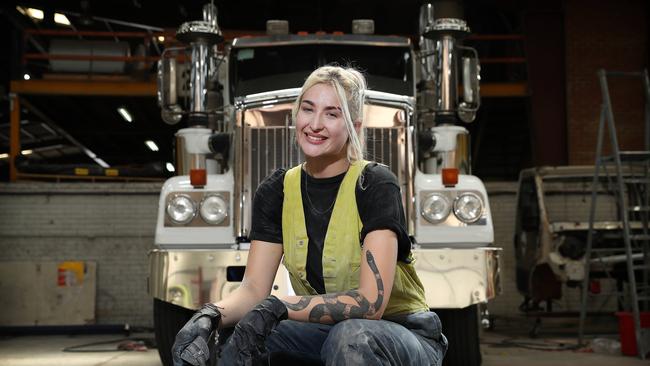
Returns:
<point x="471" y="86"/>
<point x="171" y="112"/>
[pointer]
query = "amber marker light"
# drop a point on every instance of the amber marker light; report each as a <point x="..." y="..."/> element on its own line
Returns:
<point x="198" y="177"/>
<point x="449" y="177"/>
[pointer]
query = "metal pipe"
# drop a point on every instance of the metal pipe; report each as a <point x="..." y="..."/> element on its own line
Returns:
<point x="447" y="72"/>
<point x="199" y="77"/>
<point x="118" y="22"/>
<point x="65" y="32"/>
<point x="210" y="14"/>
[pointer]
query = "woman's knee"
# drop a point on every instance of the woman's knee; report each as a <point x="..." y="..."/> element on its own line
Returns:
<point x="375" y="342"/>
<point x="354" y="331"/>
<point x="353" y="338"/>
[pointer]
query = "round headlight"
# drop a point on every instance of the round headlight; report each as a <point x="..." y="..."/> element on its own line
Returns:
<point x="435" y="208"/>
<point x="468" y="207"/>
<point x="181" y="209"/>
<point x="213" y="209"/>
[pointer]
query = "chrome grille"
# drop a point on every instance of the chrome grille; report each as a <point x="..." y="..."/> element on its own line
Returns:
<point x="272" y="148"/>
<point x="382" y="146"/>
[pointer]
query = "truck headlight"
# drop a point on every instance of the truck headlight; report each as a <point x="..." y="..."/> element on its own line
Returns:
<point x="468" y="207"/>
<point x="181" y="209"/>
<point x="213" y="209"/>
<point x="435" y="208"/>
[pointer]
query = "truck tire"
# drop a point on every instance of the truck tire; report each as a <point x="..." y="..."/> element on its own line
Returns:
<point x="461" y="328"/>
<point x="168" y="319"/>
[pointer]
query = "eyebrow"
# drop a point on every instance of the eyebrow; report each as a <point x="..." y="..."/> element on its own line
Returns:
<point x="326" y="108"/>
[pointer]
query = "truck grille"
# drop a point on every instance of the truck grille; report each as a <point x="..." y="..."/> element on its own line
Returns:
<point x="274" y="147"/>
<point x="383" y="146"/>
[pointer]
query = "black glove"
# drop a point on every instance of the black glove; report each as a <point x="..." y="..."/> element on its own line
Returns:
<point x="191" y="344"/>
<point x="247" y="343"/>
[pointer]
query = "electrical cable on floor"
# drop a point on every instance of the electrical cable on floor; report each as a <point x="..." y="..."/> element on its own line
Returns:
<point x="528" y="344"/>
<point x="123" y="344"/>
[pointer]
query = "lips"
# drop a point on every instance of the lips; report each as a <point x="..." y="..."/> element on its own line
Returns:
<point x="315" y="139"/>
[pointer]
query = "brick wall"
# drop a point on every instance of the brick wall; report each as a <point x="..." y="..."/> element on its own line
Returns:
<point x="612" y="35"/>
<point x="112" y="224"/>
<point x="502" y="197"/>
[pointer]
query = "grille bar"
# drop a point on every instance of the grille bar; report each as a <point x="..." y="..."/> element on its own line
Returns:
<point x="274" y="147"/>
<point x="382" y="146"/>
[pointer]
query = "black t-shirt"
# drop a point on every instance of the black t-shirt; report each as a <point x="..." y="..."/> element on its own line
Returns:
<point x="378" y="200"/>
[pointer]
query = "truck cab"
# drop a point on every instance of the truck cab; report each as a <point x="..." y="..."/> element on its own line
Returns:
<point x="236" y="102"/>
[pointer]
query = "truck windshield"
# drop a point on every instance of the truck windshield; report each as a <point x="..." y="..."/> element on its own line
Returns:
<point x="260" y="69"/>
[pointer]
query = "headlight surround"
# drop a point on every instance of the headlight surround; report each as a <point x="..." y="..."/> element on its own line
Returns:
<point x="435" y="208"/>
<point x="468" y="207"/>
<point x="214" y="209"/>
<point x="181" y="209"/>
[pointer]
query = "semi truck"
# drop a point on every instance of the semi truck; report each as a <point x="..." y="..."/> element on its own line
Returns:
<point x="234" y="101"/>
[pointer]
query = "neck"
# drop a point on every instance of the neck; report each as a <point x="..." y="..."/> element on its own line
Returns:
<point x="320" y="168"/>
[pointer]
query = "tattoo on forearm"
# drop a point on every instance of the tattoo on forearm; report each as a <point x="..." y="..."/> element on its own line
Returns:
<point x="335" y="310"/>
<point x="303" y="303"/>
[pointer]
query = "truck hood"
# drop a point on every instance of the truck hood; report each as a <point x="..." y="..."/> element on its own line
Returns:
<point x="289" y="95"/>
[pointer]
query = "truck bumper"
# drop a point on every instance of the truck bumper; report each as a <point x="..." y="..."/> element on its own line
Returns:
<point x="457" y="278"/>
<point x="452" y="278"/>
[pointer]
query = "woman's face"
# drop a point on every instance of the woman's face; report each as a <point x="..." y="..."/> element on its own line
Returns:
<point x="320" y="125"/>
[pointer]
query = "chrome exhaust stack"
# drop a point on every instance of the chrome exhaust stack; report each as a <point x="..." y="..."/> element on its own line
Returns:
<point x="443" y="143"/>
<point x="195" y="100"/>
<point x="202" y="36"/>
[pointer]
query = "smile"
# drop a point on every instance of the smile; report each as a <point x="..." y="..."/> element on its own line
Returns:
<point x="315" y="139"/>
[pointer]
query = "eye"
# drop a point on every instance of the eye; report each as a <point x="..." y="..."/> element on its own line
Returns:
<point x="306" y="108"/>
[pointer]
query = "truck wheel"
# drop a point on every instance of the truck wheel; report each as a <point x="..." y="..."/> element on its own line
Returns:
<point x="460" y="326"/>
<point x="168" y="319"/>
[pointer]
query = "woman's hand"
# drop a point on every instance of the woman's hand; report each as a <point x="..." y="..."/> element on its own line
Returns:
<point x="247" y="343"/>
<point x="191" y="344"/>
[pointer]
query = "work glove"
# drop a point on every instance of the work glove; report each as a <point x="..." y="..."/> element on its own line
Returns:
<point x="191" y="344"/>
<point x="246" y="346"/>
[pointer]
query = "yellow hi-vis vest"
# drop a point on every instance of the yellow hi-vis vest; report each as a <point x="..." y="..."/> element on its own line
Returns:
<point x="342" y="250"/>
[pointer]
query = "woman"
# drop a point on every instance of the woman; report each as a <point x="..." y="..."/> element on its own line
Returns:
<point x="337" y="223"/>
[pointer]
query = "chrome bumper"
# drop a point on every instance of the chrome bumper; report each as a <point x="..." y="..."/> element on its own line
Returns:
<point x="190" y="278"/>
<point x="457" y="278"/>
<point x="452" y="278"/>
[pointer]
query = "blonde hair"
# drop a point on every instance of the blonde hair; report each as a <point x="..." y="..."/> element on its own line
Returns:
<point x="350" y="87"/>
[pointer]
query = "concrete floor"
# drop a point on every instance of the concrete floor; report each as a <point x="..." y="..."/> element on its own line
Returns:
<point x="47" y="350"/>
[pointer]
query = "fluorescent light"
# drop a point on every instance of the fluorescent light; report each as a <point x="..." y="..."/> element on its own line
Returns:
<point x="26" y="77"/>
<point x="170" y="167"/>
<point x="151" y="145"/>
<point x="92" y="155"/>
<point x="5" y="155"/>
<point x="101" y="163"/>
<point x="36" y="14"/>
<point x="61" y="19"/>
<point x="161" y="39"/>
<point x="125" y="114"/>
<point x="27" y="152"/>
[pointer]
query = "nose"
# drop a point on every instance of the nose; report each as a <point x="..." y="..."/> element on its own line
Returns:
<point x="315" y="123"/>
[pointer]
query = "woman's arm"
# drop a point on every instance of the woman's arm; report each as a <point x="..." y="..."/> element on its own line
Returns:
<point x="378" y="262"/>
<point x="261" y="267"/>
